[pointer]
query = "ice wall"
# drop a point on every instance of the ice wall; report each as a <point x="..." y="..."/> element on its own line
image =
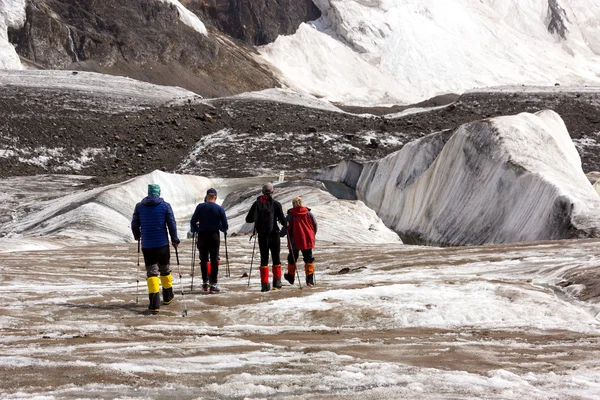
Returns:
<point x="506" y="179"/>
<point x="12" y="15"/>
<point x="104" y="214"/>
<point x="345" y="221"/>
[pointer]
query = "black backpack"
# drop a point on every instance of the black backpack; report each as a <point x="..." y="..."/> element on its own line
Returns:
<point x="264" y="217"/>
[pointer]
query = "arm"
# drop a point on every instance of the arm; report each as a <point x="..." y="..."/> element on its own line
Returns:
<point x="171" y="224"/>
<point x="135" y="224"/>
<point x="280" y="216"/>
<point x="250" y="216"/>
<point x="194" y="220"/>
<point x="224" y="225"/>
<point x="314" y="221"/>
<point x="284" y="230"/>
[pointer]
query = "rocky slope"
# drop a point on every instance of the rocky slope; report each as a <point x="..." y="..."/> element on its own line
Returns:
<point x="54" y="130"/>
<point x="146" y="40"/>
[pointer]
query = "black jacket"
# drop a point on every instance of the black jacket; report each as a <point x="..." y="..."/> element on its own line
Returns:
<point x="278" y="214"/>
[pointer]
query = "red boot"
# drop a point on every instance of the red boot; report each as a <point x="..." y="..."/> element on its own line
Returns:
<point x="264" y="279"/>
<point x="276" y="277"/>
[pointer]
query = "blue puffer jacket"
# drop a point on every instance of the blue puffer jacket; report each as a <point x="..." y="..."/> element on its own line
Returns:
<point x="151" y="218"/>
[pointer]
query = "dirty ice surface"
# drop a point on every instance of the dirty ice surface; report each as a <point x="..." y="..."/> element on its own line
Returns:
<point x="384" y="321"/>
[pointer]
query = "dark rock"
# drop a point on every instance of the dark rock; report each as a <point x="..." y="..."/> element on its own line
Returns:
<point x="256" y="22"/>
<point x="142" y="39"/>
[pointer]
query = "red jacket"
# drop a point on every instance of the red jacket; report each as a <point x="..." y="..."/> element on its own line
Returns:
<point x="302" y="228"/>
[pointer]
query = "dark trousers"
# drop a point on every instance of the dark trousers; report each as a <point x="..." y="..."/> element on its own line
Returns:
<point x="270" y="243"/>
<point x="307" y="256"/>
<point x="208" y="246"/>
<point x="157" y="260"/>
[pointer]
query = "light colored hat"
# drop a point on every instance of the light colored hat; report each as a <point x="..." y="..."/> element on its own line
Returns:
<point x="153" y="189"/>
<point x="268" y="188"/>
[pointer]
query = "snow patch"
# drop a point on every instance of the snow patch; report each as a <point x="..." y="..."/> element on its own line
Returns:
<point x="393" y="51"/>
<point x="188" y="17"/>
<point x="12" y="15"/>
<point x="99" y="92"/>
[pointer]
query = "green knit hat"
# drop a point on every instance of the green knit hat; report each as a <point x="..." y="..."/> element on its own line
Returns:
<point x="153" y="189"/>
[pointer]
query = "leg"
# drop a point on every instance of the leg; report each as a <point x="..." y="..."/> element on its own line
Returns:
<point x="275" y="247"/>
<point x="203" y="249"/>
<point x="151" y="262"/>
<point x="309" y="267"/>
<point x="263" y="245"/>
<point x="291" y="259"/>
<point x="215" y="243"/>
<point x="166" y="279"/>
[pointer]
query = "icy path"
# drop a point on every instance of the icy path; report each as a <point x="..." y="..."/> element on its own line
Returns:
<point x="402" y="322"/>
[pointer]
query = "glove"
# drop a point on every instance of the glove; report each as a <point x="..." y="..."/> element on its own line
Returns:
<point x="176" y="241"/>
<point x="283" y="231"/>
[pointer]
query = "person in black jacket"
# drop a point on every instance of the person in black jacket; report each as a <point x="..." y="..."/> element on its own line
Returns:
<point x="151" y="219"/>
<point x="209" y="218"/>
<point x="265" y="213"/>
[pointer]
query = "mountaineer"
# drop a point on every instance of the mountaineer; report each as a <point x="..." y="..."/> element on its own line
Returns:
<point x="152" y="217"/>
<point x="209" y="218"/>
<point x="301" y="231"/>
<point x="265" y="213"/>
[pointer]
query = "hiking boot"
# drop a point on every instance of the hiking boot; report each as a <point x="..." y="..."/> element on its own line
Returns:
<point x="276" y="277"/>
<point x="265" y="286"/>
<point x="153" y="294"/>
<point x="168" y="296"/>
<point x="309" y="270"/>
<point x="205" y="286"/>
<point x="154" y="305"/>
<point x="289" y="278"/>
<point x="167" y="284"/>
<point x="214" y="288"/>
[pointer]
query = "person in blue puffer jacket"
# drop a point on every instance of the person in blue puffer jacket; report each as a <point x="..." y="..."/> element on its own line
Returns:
<point x="151" y="219"/>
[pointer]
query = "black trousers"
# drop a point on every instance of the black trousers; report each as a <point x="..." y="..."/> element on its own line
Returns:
<point x="208" y="246"/>
<point x="307" y="256"/>
<point x="157" y="260"/>
<point x="270" y="243"/>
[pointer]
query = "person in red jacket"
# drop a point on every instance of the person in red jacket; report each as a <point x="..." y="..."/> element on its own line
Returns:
<point x="301" y="231"/>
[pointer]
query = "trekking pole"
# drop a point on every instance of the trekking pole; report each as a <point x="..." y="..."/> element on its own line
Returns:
<point x="252" y="260"/>
<point x="137" y="277"/>
<point x="226" y="256"/>
<point x="193" y="259"/>
<point x="294" y="258"/>
<point x="184" y="313"/>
